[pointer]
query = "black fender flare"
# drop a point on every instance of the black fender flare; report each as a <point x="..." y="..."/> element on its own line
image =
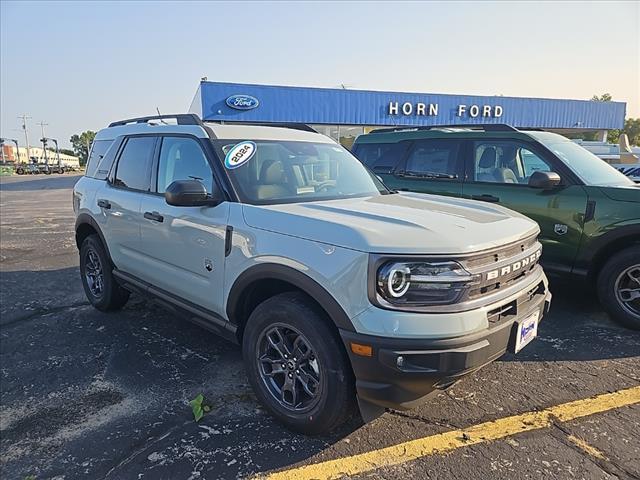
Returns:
<point x="86" y="219"/>
<point x="598" y="245"/>
<point x="274" y="271"/>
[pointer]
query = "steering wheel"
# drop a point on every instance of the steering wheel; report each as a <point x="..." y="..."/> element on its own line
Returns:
<point x="326" y="185"/>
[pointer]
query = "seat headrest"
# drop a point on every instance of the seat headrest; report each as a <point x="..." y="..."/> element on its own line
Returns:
<point x="488" y="158"/>
<point x="272" y="172"/>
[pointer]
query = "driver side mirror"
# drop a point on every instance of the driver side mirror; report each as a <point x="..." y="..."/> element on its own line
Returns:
<point x="191" y="193"/>
<point x="544" y="180"/>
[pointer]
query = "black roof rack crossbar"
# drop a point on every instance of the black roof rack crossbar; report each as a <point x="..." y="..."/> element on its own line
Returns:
<point x="487" y="127"/>
<point x="181" y="118"/>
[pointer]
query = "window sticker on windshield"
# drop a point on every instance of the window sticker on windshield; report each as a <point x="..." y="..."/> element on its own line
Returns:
<point x="240" y="154"/>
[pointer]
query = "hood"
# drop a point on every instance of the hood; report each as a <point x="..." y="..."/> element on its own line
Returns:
<point x="627" y="193"/>
<point x="405" y="223"/>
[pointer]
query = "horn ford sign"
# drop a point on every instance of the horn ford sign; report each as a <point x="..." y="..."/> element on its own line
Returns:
<point x="431" y="109"/>
<point x="242" y="102"/>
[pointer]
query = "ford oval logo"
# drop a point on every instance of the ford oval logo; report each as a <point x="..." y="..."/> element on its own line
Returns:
<point x="242" y="102"/>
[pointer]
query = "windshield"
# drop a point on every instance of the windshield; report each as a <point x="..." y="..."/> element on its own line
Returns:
<point x="591" y="169"/>
<point x="267" y="172"/>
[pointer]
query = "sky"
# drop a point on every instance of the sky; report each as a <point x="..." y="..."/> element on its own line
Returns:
<point x="80" y="65"/>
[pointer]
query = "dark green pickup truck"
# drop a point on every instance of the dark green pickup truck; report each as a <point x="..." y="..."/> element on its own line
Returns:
<point x="588" y="212"/>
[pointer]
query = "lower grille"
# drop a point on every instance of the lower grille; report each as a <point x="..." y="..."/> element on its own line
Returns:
<point x="519" y="306"/>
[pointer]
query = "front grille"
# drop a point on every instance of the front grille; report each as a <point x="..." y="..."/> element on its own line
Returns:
<point x="503" y="267"/>
<point x="500" y="254"/>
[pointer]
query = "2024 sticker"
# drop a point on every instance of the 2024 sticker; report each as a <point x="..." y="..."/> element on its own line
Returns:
<point x="239" y="154"/>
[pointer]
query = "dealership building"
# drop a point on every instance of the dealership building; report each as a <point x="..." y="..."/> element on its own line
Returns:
<point x="343" y="114"/>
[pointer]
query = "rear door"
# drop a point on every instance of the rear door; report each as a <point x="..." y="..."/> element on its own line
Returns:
<point x="498" y="171"/>
<point x="119" y="202"/>
<point x="184" y="247"/>
<point x="431" y="166"/>
<point x="425" y="166"/>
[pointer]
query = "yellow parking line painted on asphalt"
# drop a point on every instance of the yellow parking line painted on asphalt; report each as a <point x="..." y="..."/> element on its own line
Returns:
<point x="585" y="447"/>
<point x="448" y="441"/>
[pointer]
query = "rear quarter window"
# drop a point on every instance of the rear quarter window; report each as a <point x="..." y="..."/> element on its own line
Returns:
<point x="381" y="156"/>
<point x="98" y="150"/>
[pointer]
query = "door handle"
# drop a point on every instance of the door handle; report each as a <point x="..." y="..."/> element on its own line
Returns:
<point x="102" y="203"/>
<point x="155" y="216"/>
<point x="485" y="198"/>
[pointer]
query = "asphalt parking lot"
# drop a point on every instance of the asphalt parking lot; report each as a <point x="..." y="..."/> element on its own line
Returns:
<point x="88" y="394"/>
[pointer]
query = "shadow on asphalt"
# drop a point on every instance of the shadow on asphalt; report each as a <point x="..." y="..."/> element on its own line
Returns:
<point x="577" y="329"/>
<point x="48" y="182"/>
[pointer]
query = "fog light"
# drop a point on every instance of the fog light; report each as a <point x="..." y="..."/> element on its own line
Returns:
<point x="400" y="361"/>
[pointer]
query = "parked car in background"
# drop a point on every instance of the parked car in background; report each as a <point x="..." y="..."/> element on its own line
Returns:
<point x="588" y="212"/>
<point x="622" y="157"/>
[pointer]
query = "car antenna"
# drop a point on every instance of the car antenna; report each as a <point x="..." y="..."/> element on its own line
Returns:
<point x="161" y="120"/>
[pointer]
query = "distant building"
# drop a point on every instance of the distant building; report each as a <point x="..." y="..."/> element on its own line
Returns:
<point x="37" y="153"/>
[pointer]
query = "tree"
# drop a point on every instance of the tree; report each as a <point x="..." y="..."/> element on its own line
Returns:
<point x="632" y="129"/>
<point x="605" y="97"/>
<point x="81" y="144"/>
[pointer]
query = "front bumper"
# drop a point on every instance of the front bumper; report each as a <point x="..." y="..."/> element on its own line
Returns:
<point x="382" y="380"/>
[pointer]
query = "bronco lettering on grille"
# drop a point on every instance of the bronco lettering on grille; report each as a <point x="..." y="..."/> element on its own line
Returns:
<point x="513" y="267"/>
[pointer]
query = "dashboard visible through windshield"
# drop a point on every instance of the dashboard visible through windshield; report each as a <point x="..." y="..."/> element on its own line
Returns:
<point x="267" y="172"/>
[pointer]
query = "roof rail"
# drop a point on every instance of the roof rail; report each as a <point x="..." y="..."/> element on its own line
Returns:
<point x="181" y="118"/>
<point x="487" y="127"/>
<point x="294" y="126"/>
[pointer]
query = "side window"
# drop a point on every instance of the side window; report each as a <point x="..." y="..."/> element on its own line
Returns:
<point x="134" y="164"/>
<point x="434" y="157"/>
<point x="182" y="158"/>
<point x="381" y="156"/>
<point x="499" y="161"/>
<point x="98" y="149"/>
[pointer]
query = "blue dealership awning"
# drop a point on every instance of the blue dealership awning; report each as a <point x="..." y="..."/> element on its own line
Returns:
<point x="236" y="102"/>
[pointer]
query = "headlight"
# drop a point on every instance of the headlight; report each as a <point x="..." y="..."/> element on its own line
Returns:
<point x="423" y="283"/>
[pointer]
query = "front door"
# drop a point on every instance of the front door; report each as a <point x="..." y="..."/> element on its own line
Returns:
<point x="498" y="171"/>
<point x="184" y="246"/>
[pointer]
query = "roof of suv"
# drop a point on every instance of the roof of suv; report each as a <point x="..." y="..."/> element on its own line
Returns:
<point x="472" y="131"/>
<point x="191" y="124"/>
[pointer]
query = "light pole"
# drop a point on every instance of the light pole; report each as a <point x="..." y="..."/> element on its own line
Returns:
<point x="44" y="143"/>
<point x="24" y="117"/>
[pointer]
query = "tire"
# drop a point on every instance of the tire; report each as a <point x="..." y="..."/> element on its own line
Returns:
<point x="47" y="172"/>
<point x="20" y="171"/>
<point x="617" y="281"/>
<point x="320" y="361"/>
<point x="100" y="286"/>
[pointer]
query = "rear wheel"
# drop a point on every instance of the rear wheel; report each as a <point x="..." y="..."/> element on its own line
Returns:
<point x="619" y="287"/>
<point x="297" y="366"/>
<point x="100" y="286"/>
<point x="20" y="171"/>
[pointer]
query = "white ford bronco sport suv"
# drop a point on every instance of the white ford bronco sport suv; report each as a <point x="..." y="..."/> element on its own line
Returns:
<point x="277" y="238"/>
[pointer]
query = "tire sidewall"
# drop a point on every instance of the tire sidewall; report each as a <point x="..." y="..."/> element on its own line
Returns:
<point x="335" y="379"/>
<point x="102" y="302"/>
<point x="606" y="286"/>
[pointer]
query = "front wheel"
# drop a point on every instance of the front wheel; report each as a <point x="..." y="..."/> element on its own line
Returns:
<point x="297" y="365"/>
<point x="619" y="287"/>
<point x="100" y="286"/>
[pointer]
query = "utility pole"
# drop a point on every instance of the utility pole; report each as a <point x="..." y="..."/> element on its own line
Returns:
<point x="44" y="142"/>
<point x="24" y="117"/>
